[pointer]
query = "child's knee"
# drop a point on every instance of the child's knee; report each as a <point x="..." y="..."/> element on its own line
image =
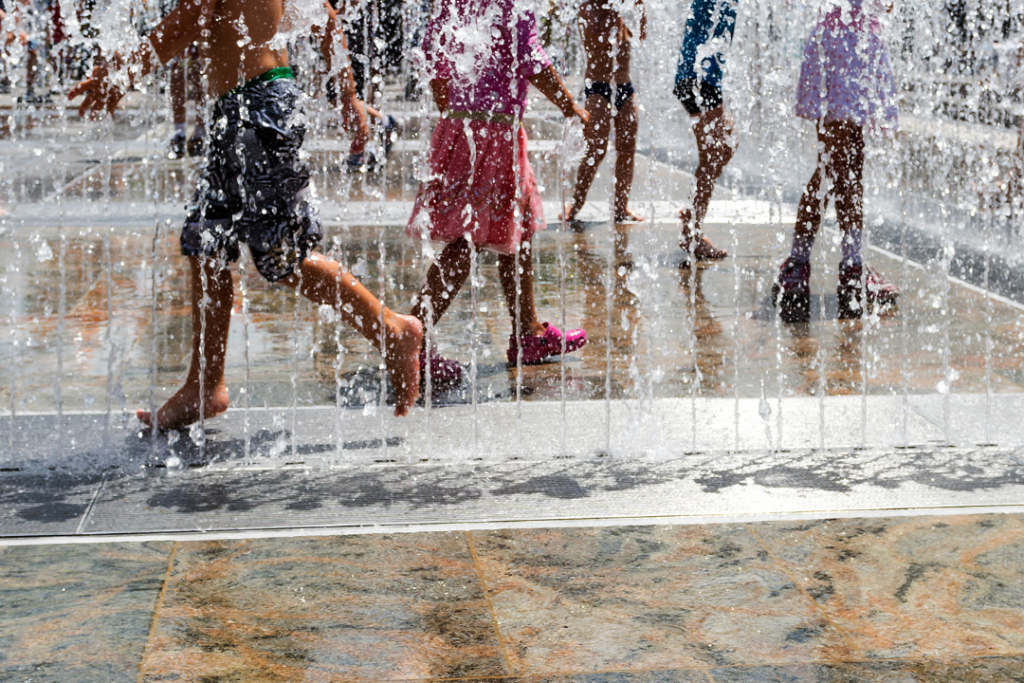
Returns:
<point x="596" y="155"/>
<point x="727" y="151"/>
<point x="720" y="156"/>
<point x="214" y="265"/>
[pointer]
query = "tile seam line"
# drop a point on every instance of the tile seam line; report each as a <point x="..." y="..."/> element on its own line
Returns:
<point x="433" y="527"/>
<point x="490" y="605"/>
<point x="92" y="505"/>
<point x="846" y="639"/>
<point x="147" y="648"/>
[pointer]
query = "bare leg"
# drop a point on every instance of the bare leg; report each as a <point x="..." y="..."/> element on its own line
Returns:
<point x="521" y="306"/>
<point x="324" y="281"/>
<point x="444" y="280"/>
<point x="844" y="144"/>
<point x="354" y="116"/>
<point x="31" y="71"/>
<point x="195" y="78"/>
<point x="846" y="150"/>
<point x="813" y="201"/>
<point x="626" y="121"/>
<point x="596" y="134"/>
<point x="808" y="212"/>
<point x="598" y="26"/>
<point x="712" y="130"/>
<point x="177" y="88"/>
<point x="206" y="368"/>
<point x="353" y="110"/>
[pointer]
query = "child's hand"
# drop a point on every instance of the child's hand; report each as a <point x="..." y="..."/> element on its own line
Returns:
<point x="581" y="113"/>
<point x="100" y="92"/>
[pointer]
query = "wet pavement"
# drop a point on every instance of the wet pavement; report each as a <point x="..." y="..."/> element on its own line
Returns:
<point x="95" y="302"/>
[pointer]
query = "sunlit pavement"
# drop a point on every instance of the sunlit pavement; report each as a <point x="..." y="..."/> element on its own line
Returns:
<point x="653" y="508"/>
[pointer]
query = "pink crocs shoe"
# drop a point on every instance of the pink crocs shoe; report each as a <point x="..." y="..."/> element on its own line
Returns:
<point x="445" y="374"/>
<point x="539" y="349"/>
<point x="881" y="294"/>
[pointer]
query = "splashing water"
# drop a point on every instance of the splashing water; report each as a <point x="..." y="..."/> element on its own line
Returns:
<point x="681" y="357"/>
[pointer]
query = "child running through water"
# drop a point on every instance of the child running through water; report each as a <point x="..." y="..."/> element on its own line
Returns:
<point x="846" y="85"/>
<point x="698" y="87"/>
<point x="355" y="113"/>
<point x="481" y="56"/>
<point x="607" y="41"/>
<point x="251" y="190"/>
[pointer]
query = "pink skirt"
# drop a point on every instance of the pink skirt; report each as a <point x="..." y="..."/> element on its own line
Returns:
<point x="471" y="191"/>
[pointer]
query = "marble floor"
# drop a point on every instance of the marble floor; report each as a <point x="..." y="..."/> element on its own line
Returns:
<point x="879" y="600"/>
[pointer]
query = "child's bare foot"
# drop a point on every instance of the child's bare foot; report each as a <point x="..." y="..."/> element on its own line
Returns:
<point x="573" y="223"/>
<point x="627" y="216"/>
<point x="402" y="359"/>
<point x="700" y="246"/>
<point x="182" y="409"/>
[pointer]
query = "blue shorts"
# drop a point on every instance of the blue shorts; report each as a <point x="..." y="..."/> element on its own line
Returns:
<point x="252" y="187"/>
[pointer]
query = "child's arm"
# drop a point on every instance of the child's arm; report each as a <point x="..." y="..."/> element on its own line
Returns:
<point x="177" y="31"/>
<point x="439" y="89"/>
<point x="551" y="86"/>
<point x="12" y="34"/>
<point x="643" y="19"/>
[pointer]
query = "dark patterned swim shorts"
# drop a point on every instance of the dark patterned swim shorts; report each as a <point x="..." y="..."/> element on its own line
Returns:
<point x="697" y="96"/>
<point x="252" y="187"/>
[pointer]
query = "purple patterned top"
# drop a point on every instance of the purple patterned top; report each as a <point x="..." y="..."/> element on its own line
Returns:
<point x="858" y="83"/>
<point x="488" y="49"/>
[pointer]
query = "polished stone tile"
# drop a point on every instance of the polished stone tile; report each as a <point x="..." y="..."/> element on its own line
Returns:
<point x="634" y="598"/>
<point x="912" y="587"/>
<point x="661" y="676"/>
<point x="353" y="607"/>
<point x="981" y="670"/>
<point x="77" y="613"/>
<point x="813" y="673"/>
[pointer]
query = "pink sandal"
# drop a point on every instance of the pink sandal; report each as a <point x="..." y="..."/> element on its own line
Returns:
<point x="538" y="349"/>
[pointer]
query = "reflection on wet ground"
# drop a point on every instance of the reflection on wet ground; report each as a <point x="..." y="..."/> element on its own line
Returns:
<point x="113" y="302"/>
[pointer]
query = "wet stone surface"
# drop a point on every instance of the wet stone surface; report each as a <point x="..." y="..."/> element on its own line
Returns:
<point x="645" y="604"/>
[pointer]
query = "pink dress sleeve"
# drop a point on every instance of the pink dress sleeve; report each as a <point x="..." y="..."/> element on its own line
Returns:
<point x="530" y="54"/>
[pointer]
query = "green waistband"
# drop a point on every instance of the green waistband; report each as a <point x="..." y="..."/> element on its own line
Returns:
<point x="489" y="116"/>
<point x="266" y="76"/>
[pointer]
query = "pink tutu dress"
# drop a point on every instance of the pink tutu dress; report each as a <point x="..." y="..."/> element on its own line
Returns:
<point x="846" y="74"/>
<point x="480" y="183"/>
